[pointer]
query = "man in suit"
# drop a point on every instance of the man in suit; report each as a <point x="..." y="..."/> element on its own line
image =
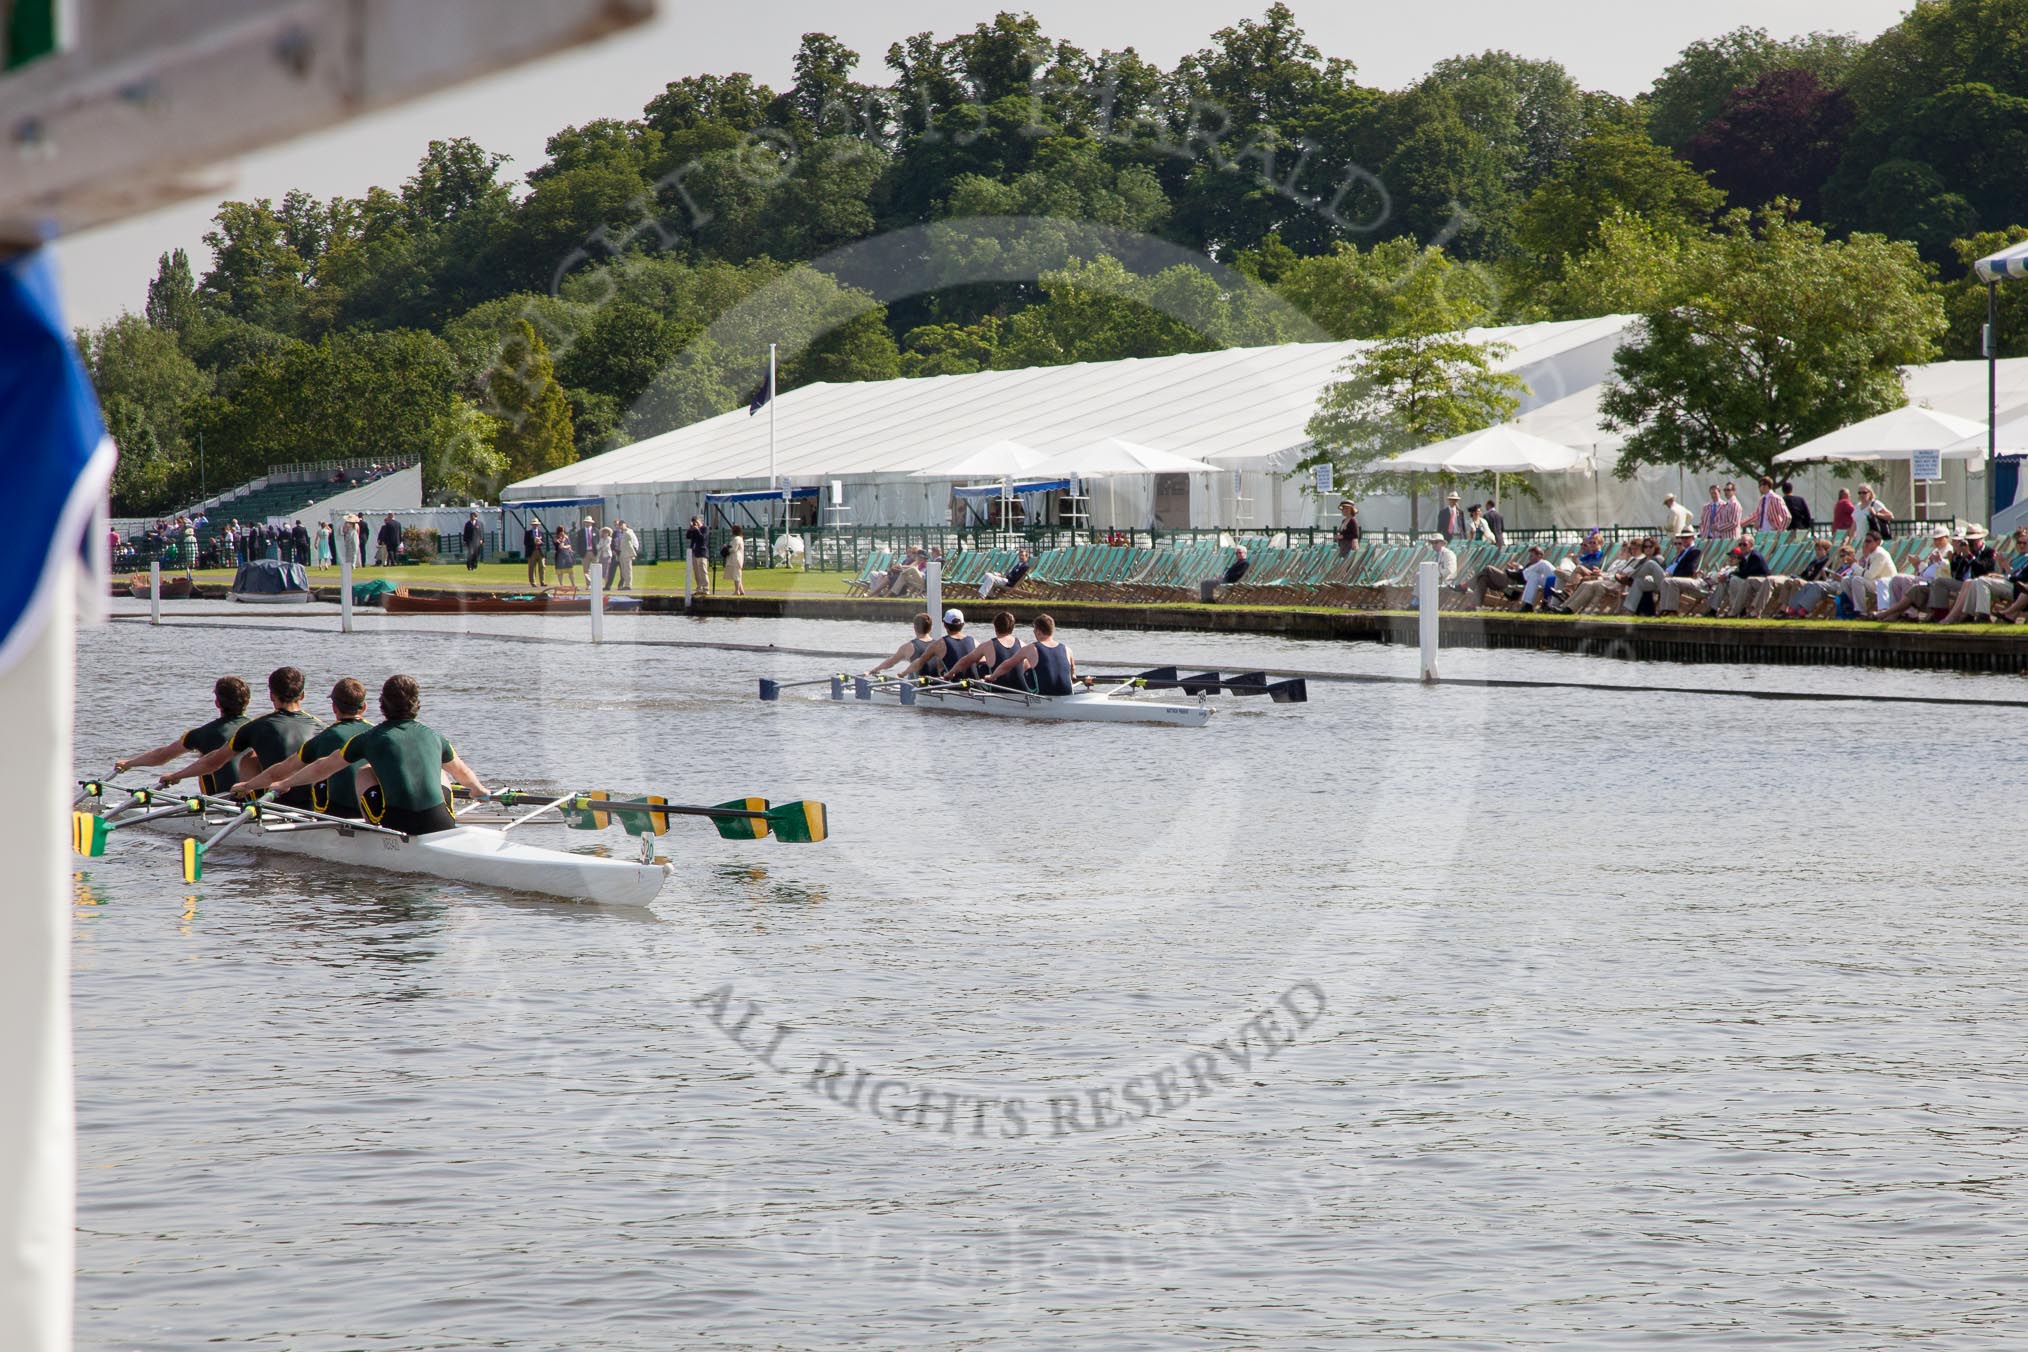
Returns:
<point x="1493" y="518"/>
<point x="1682" y="579"/>
<point x="1451" y="521"/>
<point x="1747" y="589"/>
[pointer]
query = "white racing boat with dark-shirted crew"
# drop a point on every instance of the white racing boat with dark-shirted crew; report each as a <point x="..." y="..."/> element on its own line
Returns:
<point x="1108" y="699"/>
<point x="1005" y="678"/>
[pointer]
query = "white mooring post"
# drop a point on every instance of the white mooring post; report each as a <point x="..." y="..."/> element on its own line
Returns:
<point x="933" y="586"/>
<point x="596" y="576"/>
<point x="1426" y="616"/>
<point x="344" y="537"/>
<point x="154" y="591"/>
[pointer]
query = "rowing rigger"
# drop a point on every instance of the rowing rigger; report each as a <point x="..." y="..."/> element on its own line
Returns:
<point x="466" y="853"/>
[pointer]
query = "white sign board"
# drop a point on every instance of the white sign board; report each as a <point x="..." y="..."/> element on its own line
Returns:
<point x="1324" y="478"/>
<point x="1928" y="466"/>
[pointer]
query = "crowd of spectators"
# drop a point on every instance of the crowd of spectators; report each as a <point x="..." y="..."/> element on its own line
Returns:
<point x="1717" y="565"/>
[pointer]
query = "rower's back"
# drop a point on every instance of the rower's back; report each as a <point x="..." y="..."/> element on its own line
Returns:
<point x="1052" y="668"/>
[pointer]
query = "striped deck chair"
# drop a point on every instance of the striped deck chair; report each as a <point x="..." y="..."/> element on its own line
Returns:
<point x="1335" y="574"/>
<point x="1178" y="577"/>
<point x="1364" y="591"/>
<point x="1161" y="575"/>
<point x="1265" y="566"/>
<point x="876" y="563"/>
<point x="1119" y="565"/>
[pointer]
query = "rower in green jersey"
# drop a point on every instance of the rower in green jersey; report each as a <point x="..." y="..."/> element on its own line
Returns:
<point x="230" y="695"/>
<point x="336" y="796"/>
<point x="262" y="743"/>
<point x="406" y="759"/>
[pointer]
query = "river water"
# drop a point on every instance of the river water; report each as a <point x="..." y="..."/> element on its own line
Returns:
<point x="1446" y="1016"/>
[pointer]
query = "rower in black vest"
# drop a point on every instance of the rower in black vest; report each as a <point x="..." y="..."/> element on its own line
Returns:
<point x="940" y="657"/>
<point x="908" y="652"/>
<point x="1054" y="668"/>
<point x="987" y="656"/>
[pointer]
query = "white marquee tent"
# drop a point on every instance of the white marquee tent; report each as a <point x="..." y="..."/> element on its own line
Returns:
<point x="891" y="445"/>
<point x="1244" y="408"/>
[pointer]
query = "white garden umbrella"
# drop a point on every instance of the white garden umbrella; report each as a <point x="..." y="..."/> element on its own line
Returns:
<point x="2012" y="439"/>
<point x="1895" y="435"/>
<point x="1117" y="456"/>
<point x="997" y="460"/>
<point x="1003" y="460"/>
<point x="1501" y="449"/>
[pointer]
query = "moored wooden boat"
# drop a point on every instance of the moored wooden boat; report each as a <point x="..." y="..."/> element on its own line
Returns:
<point x="534" y="603"/>
<point x="173" y="588"/>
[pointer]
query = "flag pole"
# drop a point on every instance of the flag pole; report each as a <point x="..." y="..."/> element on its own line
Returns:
<point x="771" y="441"/>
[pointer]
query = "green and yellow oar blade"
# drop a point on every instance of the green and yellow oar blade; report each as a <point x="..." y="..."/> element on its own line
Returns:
<point x="646" y="823"/>
<point x="799" y="823"/>
<point x="743" y="828"/>
<point x="193" y="859"/>
<point x="585" y="812"/>
<point x="88" y="834"/>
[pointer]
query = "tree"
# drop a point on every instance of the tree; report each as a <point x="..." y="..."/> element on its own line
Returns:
<point x="1965" y="300"/>
<point x="254" y="275"/>
<point x="392" y="396"/>
<point x="619" y="354"/>
<point x="1781" y="136"/>
<point x="1422" y="383"/>
<point x="1262" y="73"/>
<point x="1616" y="168"/>
<point x="825" y="100"/>
<point x="172" y="296"/>
<point x="1349" y="292"/>
<point x="470" y="467"/>
<point x="1634" y="268"/>
<point x="1942" y="102"/>
<point x="951" y="349"/>
<point x="1532" y="110"/>
<point x="1784" y="335"/>
<point x="147" y="386"/>
<point x="534" y="416"/>
<point x="1692" y="90"/>
<point x="453" y="178"/>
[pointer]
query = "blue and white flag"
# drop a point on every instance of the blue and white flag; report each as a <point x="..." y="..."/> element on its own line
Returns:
<point x="763" y="394"/>
<point x="54" y="453"/>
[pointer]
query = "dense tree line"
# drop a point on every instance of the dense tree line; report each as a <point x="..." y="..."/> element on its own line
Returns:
<point x="631" y="282"/>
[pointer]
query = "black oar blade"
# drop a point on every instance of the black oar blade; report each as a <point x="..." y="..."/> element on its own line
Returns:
<point x="770" y="690"/>
<point x="1161" y="678"/>
<point x="1295" y="691"/>
<point x="1250" y="683"/>
<point x="1205" y="683"/>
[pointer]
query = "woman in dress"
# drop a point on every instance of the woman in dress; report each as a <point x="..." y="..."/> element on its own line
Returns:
<point x="566" y="559"/>
<point x="735" y="561"/>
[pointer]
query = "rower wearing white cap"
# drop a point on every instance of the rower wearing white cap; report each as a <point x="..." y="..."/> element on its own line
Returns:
<point x="988" y="655"/>
<point x="939" y="657"/>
